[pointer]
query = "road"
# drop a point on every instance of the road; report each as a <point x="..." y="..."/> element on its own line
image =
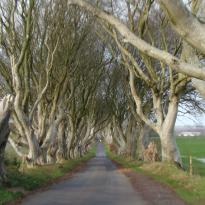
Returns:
<point x="98" y="184"/>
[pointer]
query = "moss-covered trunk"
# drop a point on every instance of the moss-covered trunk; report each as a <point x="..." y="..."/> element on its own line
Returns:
<point x="5" y="112"/>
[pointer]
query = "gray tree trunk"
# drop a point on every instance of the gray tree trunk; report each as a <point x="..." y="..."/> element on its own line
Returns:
<point x="143" y="141"/>
<point x="5" y="112"/>
<point x="61" y="152"/>
<point x="190" y="55"/>
<point x="170" y="151"/>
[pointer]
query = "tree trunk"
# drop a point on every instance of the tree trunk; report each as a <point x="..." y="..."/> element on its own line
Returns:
<point x="108" y="135"/>
<point x="5" y="113"/>
<point x="141" y="143"/>
<point x="189" y="27"/>
<point x="83" y="149"/>
<point x="76" y="152"/>
<point x="28" y="131"/>
<point x="61" y="152"/>
<point x="34" y="150"/>
<point x="72" y="153"/>
<point x="133" y="146"/>
<point x="51" y="154"/>
<point x="189" y="54"/>
<point x="170" y="151"/>
<point x="120" y="138"/>
<point x="131" y="140"/>
<point x="71" y="137"/>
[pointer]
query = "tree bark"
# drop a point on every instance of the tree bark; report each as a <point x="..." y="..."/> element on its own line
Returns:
<point x="5" y="112"/>
<point x="189" y="53"/>
<point x="187" y="25"/>
<point x="143" y="141"/>
<point x="170" y="151"/>
<point x="71" y="137"/>
<point x="61" y="152"/>
<point x="131" y="139"/>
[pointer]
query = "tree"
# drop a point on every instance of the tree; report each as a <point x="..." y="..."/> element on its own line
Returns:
<point x="53" y="48"/>
<point x="130" y="38"/>
<point x="5" y="112"/>
<point x="189" y="26"/>
<point x="165" y="97"/>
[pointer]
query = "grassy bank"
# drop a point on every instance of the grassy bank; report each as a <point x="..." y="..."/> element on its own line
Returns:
<point x="189" y="188"/>
<point x="31" y="179"/>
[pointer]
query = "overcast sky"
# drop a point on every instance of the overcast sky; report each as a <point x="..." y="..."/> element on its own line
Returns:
<point x="190" y="120"/>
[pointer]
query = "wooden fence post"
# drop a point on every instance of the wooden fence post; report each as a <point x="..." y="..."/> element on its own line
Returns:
<point x="190" y="166"/>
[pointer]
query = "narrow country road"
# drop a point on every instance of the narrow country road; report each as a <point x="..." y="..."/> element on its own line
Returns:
<point x="98" y="184"/>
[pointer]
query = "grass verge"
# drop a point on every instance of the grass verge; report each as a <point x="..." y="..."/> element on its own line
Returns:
<point x="190" y="188"/>
<point x="32" y="179"/>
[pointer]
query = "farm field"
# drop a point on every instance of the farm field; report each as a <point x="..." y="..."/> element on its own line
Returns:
<point x="194" y="147"/>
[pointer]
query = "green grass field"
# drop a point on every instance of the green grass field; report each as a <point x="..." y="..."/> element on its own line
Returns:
<point x="194" y="147"/>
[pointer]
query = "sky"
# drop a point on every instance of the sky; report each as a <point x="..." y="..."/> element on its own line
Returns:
<point x="190" y="120"/>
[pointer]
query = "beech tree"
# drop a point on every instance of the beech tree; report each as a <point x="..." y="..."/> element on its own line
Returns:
<point x="5" y="112"/>
<point x="53" y="47"/>
<point x="130" y="38"/>
<point x="165" y="114"/>
<point x="72" y="73"/>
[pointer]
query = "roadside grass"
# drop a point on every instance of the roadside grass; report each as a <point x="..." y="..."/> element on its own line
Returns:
<point x="37" y="177"/>
<point x="190" y="188"/>
<point x="6" y="196"/>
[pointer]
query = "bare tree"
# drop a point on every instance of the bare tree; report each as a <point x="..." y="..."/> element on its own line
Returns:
<point x="130" y="38"/>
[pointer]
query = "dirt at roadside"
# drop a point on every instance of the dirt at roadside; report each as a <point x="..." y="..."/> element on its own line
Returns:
<point x="152" y="191"/>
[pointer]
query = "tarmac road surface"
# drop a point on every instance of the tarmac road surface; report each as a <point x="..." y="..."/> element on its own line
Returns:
<point x="99" y="183"/>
